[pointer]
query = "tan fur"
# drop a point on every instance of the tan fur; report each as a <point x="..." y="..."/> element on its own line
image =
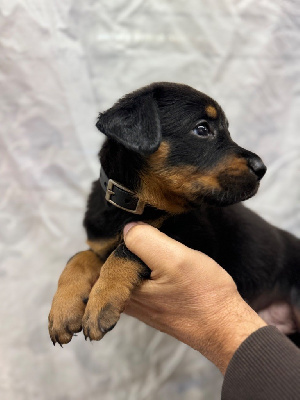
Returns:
<point x="74" y="286"/>
<point x="211" y="111"/>
<point x="157" y="223"/>
<point x="235" y="165"/>
<point x="103" y="247"/>
<point x="119" y="276"/>
<point x="168" y="187"/>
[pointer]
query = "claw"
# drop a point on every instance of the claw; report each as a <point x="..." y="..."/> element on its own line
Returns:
<point x="87" y="334"/>
<point x="56" y="338"/>
<point x="105" y="330"/>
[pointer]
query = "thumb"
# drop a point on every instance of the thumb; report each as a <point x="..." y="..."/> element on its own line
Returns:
<point x="156" y="249"/>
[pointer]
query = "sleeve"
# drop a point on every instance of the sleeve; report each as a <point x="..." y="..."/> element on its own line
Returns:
<point x="266" y="366"/>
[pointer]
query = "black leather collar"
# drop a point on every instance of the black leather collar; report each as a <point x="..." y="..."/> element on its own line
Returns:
<point x="120" y="196"/>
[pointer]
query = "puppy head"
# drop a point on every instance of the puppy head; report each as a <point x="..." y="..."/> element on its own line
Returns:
<point x="188" y="155"/>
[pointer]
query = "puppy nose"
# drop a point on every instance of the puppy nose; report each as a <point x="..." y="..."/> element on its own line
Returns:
<point x="257" y="166"/>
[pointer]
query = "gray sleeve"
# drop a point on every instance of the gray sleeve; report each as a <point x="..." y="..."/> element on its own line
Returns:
<point x="266" y="366"/>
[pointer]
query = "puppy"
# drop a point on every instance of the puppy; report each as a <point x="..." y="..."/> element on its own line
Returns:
<point x="169" y="160"/>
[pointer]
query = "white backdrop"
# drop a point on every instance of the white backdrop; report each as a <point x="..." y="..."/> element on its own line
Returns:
<point x="61" y="62"/>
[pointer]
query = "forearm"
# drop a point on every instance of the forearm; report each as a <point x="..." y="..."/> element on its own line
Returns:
<point x="265" y="366"/>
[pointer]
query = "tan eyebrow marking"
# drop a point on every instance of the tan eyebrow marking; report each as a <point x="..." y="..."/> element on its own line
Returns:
<point x="211" y="111"/>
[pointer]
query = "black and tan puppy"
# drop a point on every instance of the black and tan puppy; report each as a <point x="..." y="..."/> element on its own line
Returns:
<point x="169" y="160"/>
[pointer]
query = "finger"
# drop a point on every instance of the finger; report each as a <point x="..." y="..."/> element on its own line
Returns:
<point x="155" y="248"/>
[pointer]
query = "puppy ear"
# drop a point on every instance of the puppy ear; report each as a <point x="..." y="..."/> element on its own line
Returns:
<point x="134" y="122"/>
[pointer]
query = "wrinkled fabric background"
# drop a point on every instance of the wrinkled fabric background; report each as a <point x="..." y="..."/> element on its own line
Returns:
<point x="61" y="62"/>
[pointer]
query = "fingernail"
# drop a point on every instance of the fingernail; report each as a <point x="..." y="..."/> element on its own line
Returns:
<point x="131" y="225"/>
<point x="127" y="227"/>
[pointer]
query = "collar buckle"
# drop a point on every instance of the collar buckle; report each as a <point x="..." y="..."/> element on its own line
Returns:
<point x="111" y="185"/>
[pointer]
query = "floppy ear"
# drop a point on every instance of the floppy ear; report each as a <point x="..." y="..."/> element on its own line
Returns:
<point x="134" y="122"/>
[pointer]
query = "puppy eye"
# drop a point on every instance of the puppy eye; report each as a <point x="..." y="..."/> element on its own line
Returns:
<point x="202" y="129"/>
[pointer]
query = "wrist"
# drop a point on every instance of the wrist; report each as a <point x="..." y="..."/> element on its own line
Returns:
<point x="217" y="336"/>
<point x="238" y="322"/>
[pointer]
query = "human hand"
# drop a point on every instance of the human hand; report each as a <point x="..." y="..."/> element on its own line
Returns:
<point x="189" y="296"/>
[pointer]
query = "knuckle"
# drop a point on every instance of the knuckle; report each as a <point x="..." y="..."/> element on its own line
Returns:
<point x="186" y="260"/>
<point x="180" y="259"/>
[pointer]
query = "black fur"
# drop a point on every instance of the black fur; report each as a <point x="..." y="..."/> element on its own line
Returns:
<point x="134" y="122"/>
<point x="259" y="256"/>
<point x="122" y="252"/>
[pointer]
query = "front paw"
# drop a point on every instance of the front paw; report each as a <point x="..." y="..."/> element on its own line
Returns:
<point x="74" y="287"/>
<point x="65" y="318"/>
<point x="120" y="274"/>
<point x="100" y="318"/>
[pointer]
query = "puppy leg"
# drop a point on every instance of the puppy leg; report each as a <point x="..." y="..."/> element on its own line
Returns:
<point x="74" y="286"/>
<point x="120" y="274"/>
